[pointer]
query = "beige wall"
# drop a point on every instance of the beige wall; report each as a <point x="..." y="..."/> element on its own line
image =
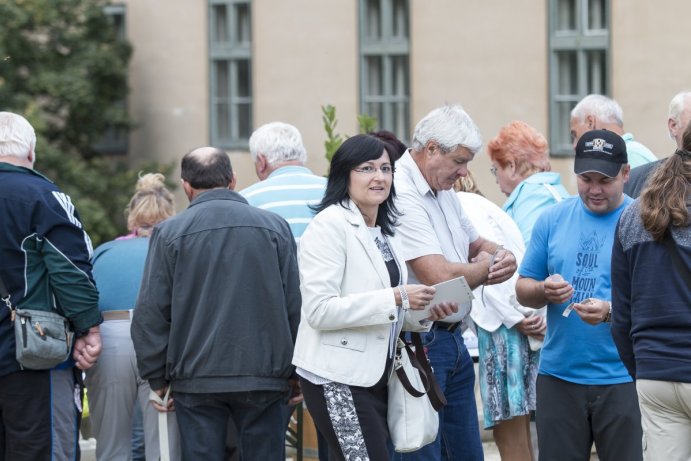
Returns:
<point x="487" y="56"/>
<point x="308" y="58"/>
<point x="650" y="65"/>
<point x="491" y="57"/>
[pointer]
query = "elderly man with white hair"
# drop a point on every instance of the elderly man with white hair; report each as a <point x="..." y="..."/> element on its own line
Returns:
<point x="286" y="186"/>
<point x="440" y="243"/>
<point x="678" y="120"/>
<point x="598" y="112"/>
<point x="45" y="266"/>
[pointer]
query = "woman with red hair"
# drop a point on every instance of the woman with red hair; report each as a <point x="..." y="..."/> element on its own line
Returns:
<point x="520" y="162"/>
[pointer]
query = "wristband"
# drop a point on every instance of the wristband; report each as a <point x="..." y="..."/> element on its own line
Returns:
<point x="405" y="301"/>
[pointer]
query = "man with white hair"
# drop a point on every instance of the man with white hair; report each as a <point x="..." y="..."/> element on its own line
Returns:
<point x="286" y="186"/>
<point x="440" y="243"/>
<point x="45" y="266"/>
<point x="679" y="118"/>
<point x="598" y="112"/>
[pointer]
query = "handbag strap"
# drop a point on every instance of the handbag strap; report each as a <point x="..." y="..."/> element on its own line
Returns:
<point x="436" y="396"/>
<point x="403" y="378"/>
<point x="674" y="253"/>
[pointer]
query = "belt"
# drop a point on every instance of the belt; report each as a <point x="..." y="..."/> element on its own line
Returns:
<point x="116" y="315"/>
<point x="450" y="327"/>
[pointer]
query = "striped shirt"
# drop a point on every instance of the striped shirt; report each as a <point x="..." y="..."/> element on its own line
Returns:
<point x="288" y="192"/>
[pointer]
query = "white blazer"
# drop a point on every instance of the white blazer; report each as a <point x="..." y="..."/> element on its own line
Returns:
<point x="348" y="305"/>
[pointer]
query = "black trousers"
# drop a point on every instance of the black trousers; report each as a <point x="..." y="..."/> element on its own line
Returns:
<point x="358" y="432"/>
<point x="570" y="417"/>
<point x="25" y="416"/>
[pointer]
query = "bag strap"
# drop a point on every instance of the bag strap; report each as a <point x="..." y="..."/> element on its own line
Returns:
<point x="436" y="396"/>
<point x="674" y="253"/>
<point x="557" y="197"/>
<point x="400" y="372"/>
<point x="5" y="297"/>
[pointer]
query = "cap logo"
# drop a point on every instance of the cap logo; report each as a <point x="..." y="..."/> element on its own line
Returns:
<point x="599" y="144"/>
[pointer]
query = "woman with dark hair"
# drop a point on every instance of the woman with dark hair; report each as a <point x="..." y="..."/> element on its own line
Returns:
<point x="354" y="301"/>
<point x="651" y="304"/>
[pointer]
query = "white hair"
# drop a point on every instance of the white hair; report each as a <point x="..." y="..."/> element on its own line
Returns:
<point x="450" y="126"/>
<point x="278" y="142"/>
<point x="676" y="106"/>
<point x="17" y="136"/>
<point x="604" y="109"/>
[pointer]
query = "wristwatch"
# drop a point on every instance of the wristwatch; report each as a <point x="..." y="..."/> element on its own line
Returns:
<point x="608" y="317"/>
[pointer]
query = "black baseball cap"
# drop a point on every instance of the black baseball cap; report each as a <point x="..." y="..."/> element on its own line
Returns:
<point x="600" y="151"/>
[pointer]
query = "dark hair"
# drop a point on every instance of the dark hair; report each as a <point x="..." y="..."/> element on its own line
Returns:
<point x="206" y="168"/>
<point x="394" y="146"/>
<point x="353" y="152"/>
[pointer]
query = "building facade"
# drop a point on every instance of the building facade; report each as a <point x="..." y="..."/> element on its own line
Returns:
<point x="208" y="72"/>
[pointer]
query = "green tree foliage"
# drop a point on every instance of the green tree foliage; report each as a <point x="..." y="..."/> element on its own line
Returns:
<point x="366" y="124"/>
<point x="64" y="69"/>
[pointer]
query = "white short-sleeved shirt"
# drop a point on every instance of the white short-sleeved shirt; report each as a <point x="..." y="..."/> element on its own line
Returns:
<point x="431" y="224"/>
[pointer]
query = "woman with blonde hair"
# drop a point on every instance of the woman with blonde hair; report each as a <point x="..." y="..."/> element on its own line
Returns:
<point x="520" y="162"/>
<point x="651" y="304"/>
<point x="113" y="382"/>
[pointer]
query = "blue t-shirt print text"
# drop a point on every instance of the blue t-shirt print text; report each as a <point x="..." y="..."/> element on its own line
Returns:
<point x="585" y="277"/>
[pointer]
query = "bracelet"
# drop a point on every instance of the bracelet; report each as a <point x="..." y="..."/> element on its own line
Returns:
<point x="405" y="301"/>
<point x="608" y="317"/>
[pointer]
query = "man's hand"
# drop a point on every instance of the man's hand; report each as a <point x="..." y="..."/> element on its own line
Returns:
<point x="502" y="266"/>
<point x="592" y="311"/>
<point x="157" y="398"/>
<point x="441" y="310"/>
<point x="557" y="290"/>
<point x="295" y="395"/>
<point x="87" y="348"/>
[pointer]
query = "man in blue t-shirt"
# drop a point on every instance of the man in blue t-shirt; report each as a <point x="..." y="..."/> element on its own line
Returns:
<point x="584" y="393"/>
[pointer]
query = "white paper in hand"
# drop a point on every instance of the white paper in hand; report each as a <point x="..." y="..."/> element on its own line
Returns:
<point x="455" y="290"/>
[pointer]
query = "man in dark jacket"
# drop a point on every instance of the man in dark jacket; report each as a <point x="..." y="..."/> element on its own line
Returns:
<point x="217" y="315"/>
<point x="44" y="263"/>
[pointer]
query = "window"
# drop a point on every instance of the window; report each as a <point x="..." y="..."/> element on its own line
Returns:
<point x="579" y="61"/>
<point x="115" y="139"/>
<point x="384" y="64"/>
<point x="230" y="37"/>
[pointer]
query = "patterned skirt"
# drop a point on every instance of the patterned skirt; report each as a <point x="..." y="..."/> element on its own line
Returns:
<point x="508" y="370"/>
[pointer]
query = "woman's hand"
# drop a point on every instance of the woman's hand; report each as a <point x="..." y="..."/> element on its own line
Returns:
<point x="419" y="296"/>
<point x="534" y="326"/>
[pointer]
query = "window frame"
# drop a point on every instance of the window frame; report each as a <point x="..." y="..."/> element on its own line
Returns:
<point x="581" y="41"/>
<point x="395" y="108"/>
<point x="233" y="53"/>
<point x="114" y="141"/>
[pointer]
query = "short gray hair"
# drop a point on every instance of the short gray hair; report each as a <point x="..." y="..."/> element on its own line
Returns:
<point x="17" y="136"/>
<point x="278" y="142"/>
<point x="450" y="126"/>
<point x="676" y="106"/>
<point x="604" y="109"/>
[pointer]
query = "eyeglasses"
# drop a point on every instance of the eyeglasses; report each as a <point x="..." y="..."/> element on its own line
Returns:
<point x="493" y="170"/>
<point x="386" y="170"/>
